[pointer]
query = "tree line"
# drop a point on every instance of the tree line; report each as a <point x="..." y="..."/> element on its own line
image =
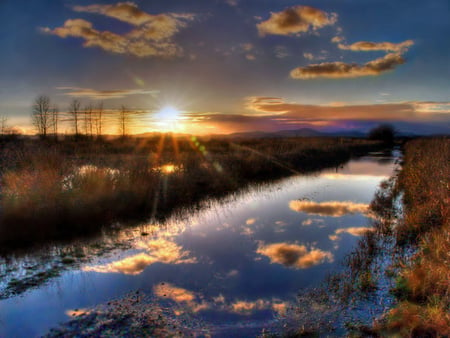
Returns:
<point x="89" y="120"/>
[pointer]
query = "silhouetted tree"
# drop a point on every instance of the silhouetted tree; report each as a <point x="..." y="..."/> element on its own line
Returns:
<point x="88" y="120"/>
<point x="55" y="121"/>
<point x="74" y="111"/>
<point x="383" y="132"/>
<point x="124" y="117"/>
<point x="98" y="119"/>
<point x="3" y="125"/>
<point x="41" y="118"/>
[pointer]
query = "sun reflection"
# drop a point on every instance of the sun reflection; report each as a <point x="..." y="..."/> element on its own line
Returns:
<point x="168" y="168"/>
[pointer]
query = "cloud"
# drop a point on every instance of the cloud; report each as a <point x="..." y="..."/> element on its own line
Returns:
<point x="331" y="208"/>
<point x="271" y="113"/>
<point x="281" y="52"/>
<point x="181" y="296"/>
<point x="133" y="265"/>
<point x="339" y="70"/>
<point x="160" y="250"/>
<point x="104" y="94"/>
<point x="294" y="255"/>
<point x="337" y="39"/>
<point x="295" y="20"/>
<point x="232" y="3"/>
<point x="247" y="47"/>
<point x="366" y="46"/>
<point x="151" y="36"/>
<point x="321" y="56"/>
<point x="246" y="307"/>
<point x="308" y="56"/>
<point x="352" y="177"/>
<point x="77" y="312"/>
<point x="177" y="294"/>
<point x="310" y="221"/>
<point x="266" y="105"/>
<point x="432" y="107"/>
<point x="354" y="231"/>
<point x="123" y="11"/>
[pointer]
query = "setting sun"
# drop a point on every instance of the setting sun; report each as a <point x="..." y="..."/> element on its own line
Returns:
<point x="168" y="118"/>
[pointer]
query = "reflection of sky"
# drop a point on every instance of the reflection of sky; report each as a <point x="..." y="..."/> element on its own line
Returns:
<point x="236" y="262"/>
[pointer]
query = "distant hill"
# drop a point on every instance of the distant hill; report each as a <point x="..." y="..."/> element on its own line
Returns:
<point x="304" y="132"/>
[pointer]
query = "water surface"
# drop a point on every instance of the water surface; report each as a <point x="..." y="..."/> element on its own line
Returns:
<point x="235" y="266"/>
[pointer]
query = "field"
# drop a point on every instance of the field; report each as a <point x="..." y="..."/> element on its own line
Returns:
<point x="59" y="190"/>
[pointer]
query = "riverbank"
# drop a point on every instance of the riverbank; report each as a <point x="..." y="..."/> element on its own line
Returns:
<point x="62" y="190"/>
<point x="422" y="286"/>
<point x="396" y="281"/>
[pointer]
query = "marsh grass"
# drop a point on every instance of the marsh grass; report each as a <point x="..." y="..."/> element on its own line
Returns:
<point x="406" y="256"/>
<point x="416" y="236"/>
<point x="58" y="190"/>
<point x="422" y="285"/>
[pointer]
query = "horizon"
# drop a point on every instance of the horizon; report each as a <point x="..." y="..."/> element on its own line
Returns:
<point x="231" y="66"/>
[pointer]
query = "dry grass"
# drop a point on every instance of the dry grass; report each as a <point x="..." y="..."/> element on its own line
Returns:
<point x="423" y="287"/>
<point x="58" y="190"/>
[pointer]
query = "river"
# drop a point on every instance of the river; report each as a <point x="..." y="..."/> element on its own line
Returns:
<point x="232" y="268"/>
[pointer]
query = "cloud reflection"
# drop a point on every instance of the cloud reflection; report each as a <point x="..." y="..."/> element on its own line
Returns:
<point x="181" y="296"/>
<point x="294" y="255"/>
<point x="329" y="208"/>
<point x="354" y="231"/>
<point x="244" y="307"/>
<point x="159" y="250"/>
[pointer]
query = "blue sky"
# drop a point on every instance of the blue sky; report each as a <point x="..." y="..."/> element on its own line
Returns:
<point x="232" y="65"/>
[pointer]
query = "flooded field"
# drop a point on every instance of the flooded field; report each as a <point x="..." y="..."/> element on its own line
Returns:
<point x="232" y="268"/>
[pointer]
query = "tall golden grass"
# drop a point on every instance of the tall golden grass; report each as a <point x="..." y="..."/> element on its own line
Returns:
<point x="423" y="285"/>
<point x="56" y="190"/>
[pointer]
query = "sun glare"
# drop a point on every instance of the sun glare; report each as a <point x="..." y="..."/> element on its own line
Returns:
<point x="168" y="118"/>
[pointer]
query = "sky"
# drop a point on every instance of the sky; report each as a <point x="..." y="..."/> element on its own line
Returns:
<point x="224" y="66"/>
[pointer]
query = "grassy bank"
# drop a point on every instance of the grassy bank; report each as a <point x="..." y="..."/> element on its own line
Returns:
<point x="402" y="264"/>
<point x="423" y="282"/>
<point x="58" y="190"/>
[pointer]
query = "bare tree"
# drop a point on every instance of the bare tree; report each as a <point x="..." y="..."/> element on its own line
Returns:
<point x="123" y="121"/>
<point x="3" y="125"/>
<point x="41" y="115"/>
<point x="99" y="119"/>
<point x="74" y="111"/>
<point x="88" y="120"/>
<point x="55" y="120"/>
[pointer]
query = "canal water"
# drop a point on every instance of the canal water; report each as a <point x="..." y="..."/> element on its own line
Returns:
<point x="232" y="268"/>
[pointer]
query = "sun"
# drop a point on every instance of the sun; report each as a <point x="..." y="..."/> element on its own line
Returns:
<point x="168" y="118"/>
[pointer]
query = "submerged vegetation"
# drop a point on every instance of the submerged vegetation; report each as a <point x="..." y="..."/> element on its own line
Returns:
<point x="53" y="190"/>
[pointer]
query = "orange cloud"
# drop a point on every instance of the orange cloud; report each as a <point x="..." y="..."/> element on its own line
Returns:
<point x="293" y="255"/>
<point x="339" y="70"/>
<point x="159" y="250"/>
<point x="151" y="36"/>
<point x="123" y="11"/>
<point x="295" y="20"/>
<point x="331" y="208"/>
<point x="246" y="307"/>
<point x="290" y="110"/>
<point x="181" y="296"/>
<point x="354" y="231"/>
<point x="366" y="46"/>
<point x="104" y="94"/>
<point x="177" y="294"/>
